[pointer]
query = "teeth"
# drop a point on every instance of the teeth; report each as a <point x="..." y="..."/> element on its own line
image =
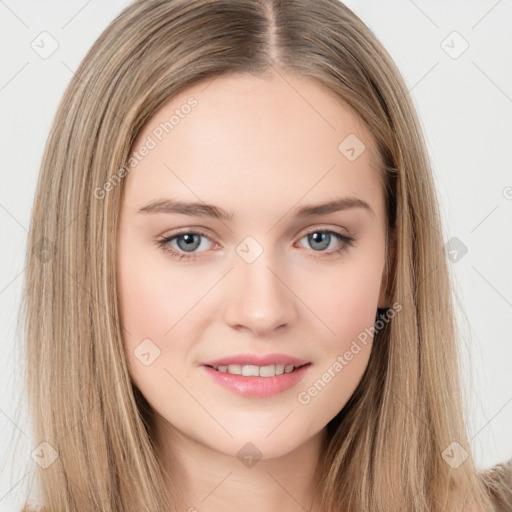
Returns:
<point x="250" y="370"/>
<point x="235" y="369"/>
<point x="267" y="371"/>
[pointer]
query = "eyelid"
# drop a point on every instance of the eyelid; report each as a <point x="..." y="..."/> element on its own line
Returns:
<point x="323" y="227"/>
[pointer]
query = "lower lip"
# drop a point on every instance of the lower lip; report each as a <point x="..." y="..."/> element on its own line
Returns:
<point x="257" y="387"/>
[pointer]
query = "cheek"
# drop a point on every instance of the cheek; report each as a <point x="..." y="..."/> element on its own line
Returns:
<point x="151" y="304"/>
<point x="344" y="301"/>
<point x="153" y="307"/>
<point x="144" y="303"/>
<point x="341" y="300"/>
<point x="152" y="298"/>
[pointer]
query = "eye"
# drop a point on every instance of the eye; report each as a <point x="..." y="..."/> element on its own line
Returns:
<point x="187" y="243"/>
<point x="320" y="239"/>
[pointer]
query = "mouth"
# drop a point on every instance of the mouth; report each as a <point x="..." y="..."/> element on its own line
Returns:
<point x="249" y="370"/>
<point x="251" y="381"/>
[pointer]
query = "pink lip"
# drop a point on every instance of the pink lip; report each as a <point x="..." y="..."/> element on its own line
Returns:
<point x="257" y="360"/>
<point x="257" y="387"/>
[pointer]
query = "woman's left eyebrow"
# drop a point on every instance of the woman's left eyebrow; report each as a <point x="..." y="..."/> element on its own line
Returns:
<point x="171" y="206"/>
<point x="343" y="203"/>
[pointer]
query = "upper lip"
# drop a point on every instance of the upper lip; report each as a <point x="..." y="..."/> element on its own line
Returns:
<point x="257" y="360"/>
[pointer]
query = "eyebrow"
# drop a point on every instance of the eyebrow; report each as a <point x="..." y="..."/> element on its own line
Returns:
<point x="209" y="210"/>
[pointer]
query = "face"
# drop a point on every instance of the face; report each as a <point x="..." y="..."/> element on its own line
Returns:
<point x="270" y="275"/>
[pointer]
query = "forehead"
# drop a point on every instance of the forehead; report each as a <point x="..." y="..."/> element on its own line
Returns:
<point x="244" y="139"/>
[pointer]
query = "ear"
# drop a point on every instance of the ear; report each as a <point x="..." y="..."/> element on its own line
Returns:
<point x="387" y="273"/>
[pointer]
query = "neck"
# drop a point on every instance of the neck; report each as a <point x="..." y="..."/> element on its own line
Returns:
<point x="212" y="481"/>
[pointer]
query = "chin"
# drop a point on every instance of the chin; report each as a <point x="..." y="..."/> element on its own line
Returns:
<point x="247" y="443"/>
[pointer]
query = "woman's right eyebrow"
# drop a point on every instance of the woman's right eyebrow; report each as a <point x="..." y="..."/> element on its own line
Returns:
<point x="186" y="208"/>
<point x="172" y="206"/>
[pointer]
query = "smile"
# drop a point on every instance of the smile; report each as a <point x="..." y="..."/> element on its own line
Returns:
<point x="257" y="381"/>
<point x="249" y="370"/>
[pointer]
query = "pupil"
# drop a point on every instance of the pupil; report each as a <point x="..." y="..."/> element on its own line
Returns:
<point x="189" y="241"/>
<point x="317" y="235"/>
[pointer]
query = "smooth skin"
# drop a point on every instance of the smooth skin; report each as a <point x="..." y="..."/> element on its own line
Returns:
<point x="260" y="148"/>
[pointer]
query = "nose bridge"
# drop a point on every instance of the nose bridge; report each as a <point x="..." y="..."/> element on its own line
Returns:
<point x="260" y="300"/>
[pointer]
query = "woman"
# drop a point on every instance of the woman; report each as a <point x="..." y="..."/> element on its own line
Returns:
<point x="256" y="369"/>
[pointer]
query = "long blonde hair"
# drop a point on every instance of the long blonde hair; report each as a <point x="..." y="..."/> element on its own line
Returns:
<point x="384" y="450"/>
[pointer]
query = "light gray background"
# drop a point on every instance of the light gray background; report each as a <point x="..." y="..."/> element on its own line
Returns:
<point x="465" y="106"/>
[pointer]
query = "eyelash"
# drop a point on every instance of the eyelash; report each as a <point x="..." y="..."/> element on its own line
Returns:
<point x="164" y="243"/>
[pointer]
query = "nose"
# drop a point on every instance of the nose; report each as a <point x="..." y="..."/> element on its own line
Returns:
<point x="259" y="299"/>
